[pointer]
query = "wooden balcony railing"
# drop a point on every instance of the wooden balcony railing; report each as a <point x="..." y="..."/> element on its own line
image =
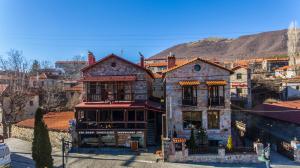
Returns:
<point x="216" y="101"/>
<point x="192" y="101"/>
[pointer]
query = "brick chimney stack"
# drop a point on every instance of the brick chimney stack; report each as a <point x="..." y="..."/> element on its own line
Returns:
<point x="171" y="60"/>
<point x="142" y="60"/>
<point x="91" y="58"/>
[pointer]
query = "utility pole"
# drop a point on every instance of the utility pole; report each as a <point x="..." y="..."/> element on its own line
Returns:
<point x="63" y="152"/>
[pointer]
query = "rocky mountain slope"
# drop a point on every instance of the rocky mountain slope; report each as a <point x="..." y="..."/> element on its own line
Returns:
<point x="260" y="45"/>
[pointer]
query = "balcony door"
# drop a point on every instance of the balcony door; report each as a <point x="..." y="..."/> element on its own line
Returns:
<point x="189" y="95"/>
<point x="216" y="95"/>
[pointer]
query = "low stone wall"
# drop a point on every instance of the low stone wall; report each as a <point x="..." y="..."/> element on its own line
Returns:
<point x="228" y="158"/>
<point x="221" y="157"/>
<point x="27" y="134"/>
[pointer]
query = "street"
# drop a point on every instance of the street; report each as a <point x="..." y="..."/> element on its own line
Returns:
<point x="21" y="157"/>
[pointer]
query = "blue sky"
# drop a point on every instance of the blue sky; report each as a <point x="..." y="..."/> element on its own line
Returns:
<point x="60" y="29"/>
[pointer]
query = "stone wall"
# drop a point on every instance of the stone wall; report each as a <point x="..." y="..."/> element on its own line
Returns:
<point x="228" y="158"/>
<point x="174" y="99"/>
<point x="27" y="134"/>
<point x="140" y="87"/>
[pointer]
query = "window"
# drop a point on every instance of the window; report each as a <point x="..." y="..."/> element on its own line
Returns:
<point x="192" y="119"/>
<point x="216" y="95"/>
<point x="90" y="115"/>
<point x="213" y="119"/>
<point x="140" y="115"/>
<point x="118" y="115"/>
<point x="105" y="115"/>
<point x="31" y="103"/>
<point x="197" y="67"/>
<point x="239" y="91"/>
<point x="238" y="76"/>
<point x="189" y="95"/>
<point x="131" y="115"/>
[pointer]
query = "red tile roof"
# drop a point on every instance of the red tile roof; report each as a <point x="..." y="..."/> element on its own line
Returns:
<point x="117" y="57"/>
<point x="78" y="88"/>
<point x="288" y="111"/>
<point x="110" y="105"/>
<point x="58" y="121"/>
<point x="239" y="67"/>
<point x="165" y="63"/>
<point x="199" y="59"/>
<point x="109" y="78"/>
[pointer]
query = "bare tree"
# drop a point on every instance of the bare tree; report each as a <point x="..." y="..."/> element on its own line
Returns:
<point x="52" y="97"/>
<point x="17" y="95"/>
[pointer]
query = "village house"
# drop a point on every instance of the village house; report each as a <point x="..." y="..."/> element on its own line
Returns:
<point x="290" y="88"/>
<point x="157" y="66"/>
<point x="116" y="107"/>
<point x="46" y="80"/>
<point x="71" y="69"/>
<point x="28" y="110"/>
<point x="269" y="65"/>
<point x="198" y="96"/>
<point x="240" y="86"/>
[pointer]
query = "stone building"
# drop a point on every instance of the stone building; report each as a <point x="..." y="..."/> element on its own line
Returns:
<point x="116" y="106"/>
<point x="198" y="95"/>
<point x="240" y="86"/>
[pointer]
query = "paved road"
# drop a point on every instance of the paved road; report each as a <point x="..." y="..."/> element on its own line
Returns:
<point x="21" y="158"/>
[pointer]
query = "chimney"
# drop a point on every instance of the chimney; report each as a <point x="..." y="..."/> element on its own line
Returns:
<point x="142" y="59"/>
<point x="91" y="58"/>
<point x="171" y="60"/>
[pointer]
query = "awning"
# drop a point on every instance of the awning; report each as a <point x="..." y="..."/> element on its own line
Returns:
<point x="108" y="78"/>
<point x="216" y="83"/>
<point x="189" y="83"/>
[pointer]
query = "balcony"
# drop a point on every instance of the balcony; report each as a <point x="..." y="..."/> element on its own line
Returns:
<point x="109" y="97"/>
<point x="216" y="101"/>
<point x="189" y="101"/>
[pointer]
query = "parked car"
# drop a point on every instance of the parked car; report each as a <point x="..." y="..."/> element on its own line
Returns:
<point x="5" y="160"/>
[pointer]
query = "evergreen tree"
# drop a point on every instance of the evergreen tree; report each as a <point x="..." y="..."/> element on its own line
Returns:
<point x="35" y="67"/>
<point x="202" y="136"/>
<point x="41" y="146"/>
<point x="37" y="120"/>
<point x="192" y="141"/>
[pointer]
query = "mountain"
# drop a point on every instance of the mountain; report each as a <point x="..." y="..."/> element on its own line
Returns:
<point x="260" y="45"/>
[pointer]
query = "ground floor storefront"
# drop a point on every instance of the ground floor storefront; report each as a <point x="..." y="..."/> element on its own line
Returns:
<point x="118" y="126"/>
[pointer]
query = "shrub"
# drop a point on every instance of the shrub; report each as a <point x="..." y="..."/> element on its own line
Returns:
<point x="229" y="145"/>
<point x="41" y="146"/>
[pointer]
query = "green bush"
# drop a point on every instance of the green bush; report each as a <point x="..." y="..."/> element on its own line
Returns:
<point x="41" y="146"/>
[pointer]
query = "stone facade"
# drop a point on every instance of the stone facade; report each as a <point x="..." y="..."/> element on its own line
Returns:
<point x="240" y="86"/>
<point x="27" y="134"/>
<point x="174" y="105"/>
<point x="142" y="85"/>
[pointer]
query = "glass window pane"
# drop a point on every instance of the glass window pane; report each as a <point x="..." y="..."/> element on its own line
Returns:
<point x="105" y="115"/>
<point x="213" y="119"/>
<point x="140" y="115"/>
<point x="192" y="119"/>
<point x="118" y="115"/>
<point x="131" y="115"/>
